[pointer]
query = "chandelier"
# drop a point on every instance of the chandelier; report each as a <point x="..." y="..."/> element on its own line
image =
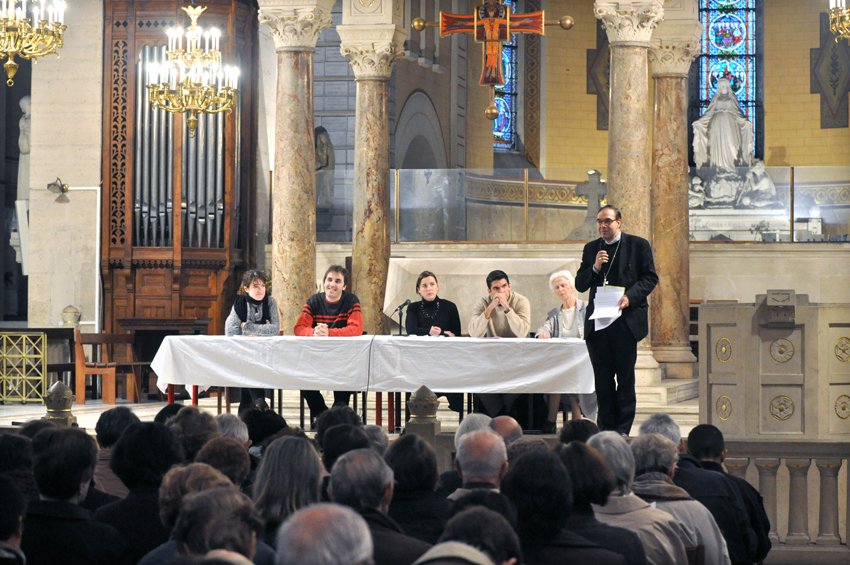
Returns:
<point x="192" y="80"/>
<point x="839" y="19"/>
<point x="29" y="37"/>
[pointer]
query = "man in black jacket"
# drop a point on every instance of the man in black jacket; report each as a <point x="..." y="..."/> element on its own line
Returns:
<point x="616" y="259"/>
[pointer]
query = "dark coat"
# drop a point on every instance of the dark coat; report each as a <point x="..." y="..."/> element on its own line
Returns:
<point x="421" y="514"/>
<point x="632" y="268"/>
<point x="167" y="552"/>
<point x="136" y="518"/>
<point x="569" y="547"/>
<point x="63" y="532"/>
<point x="392" y="547"/>
<point x="619" y="540"/>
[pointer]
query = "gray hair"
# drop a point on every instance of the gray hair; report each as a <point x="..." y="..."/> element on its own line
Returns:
<point x="360" y="478"/>
<point x="618" y="455"/>
<point x="653" y="452"/>
<point x="470" y="423"/>
<point x="229" y="425"/>
<point x="324" y="534"/>
<point x="561" y="275"/>
<point x="289" y="478"/>
<point x="378" y="438"/>
<point x="481" y="455"/>
<point x="662" y="424"/>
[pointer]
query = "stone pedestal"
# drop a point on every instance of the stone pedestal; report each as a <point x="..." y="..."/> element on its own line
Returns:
<point x="295" y="27"/>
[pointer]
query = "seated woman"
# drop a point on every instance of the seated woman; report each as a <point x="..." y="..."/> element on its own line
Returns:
<point x="434" y="316"/>
<point x="566" y="320"/>
<point x="254" y="313"/>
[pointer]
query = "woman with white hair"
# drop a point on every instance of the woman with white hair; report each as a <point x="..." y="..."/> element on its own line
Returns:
<point x="566" y="321"/>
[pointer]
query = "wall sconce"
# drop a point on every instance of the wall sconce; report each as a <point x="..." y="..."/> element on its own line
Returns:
<point x="57" y="187"/>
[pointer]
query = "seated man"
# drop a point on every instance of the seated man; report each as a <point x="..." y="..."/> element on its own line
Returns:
<point x="333" y="312"/>
<point x="324" y="534"/>
<point x="502" y="313"/>
<point x="481" y="462"/>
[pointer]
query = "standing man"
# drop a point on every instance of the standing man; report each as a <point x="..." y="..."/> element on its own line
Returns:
<point x="502" y="313"/>
<point x="617" y="259"/>
<point x="333" y="312"/>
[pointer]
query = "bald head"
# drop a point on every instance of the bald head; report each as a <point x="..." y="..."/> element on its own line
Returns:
<point x="324" y="534"/>
<point x="482" y="458"/>
<point x="507" y="427"/>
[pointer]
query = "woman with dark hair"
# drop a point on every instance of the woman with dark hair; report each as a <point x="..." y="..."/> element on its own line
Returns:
<point x="254" y="313"/>
<point x="592" y="482"/>
<point x="417" y="508"/>
<point x="289" y="478"/>
<point x="140" y="458"/>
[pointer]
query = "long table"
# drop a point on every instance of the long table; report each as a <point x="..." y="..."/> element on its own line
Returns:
<point x="376" y="363"/>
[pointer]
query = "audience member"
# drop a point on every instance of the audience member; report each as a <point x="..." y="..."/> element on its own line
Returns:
<point x="362" y="480"/>
<point x="663" y="538"/>
<point x="655" y="463"/>
<point x="481" y="462"/>
<point x="289" y="478"/>
<point x="324" y="534"/>
<point x="540" y="488"/>
<point x="449" y="481"/>
<point x="502" y="313"/>
<point x="481" y="529"/>
<point x="378" y="438"/>
<point x="489" y="499"/>
<point x="526" y="445"/>
<point x="56" y="528"/>
<point x="417" y="508"/>
<point x="706" y="444"/>
<point x="109" y="428"/>
<point x="714" y="490"/>
<point x="333" y="417"/>
<point x="16" y="463"/>
<point x="507" y="427"/>
<point x="262" y="424"/>
<point x="341" y="439"/>
<point x="13" y="508"/>
<point x="578" y="430"/>
<point x="592" y="482"/>
<point x="229" y="456"/>
<point x="193" y="428"/>
<point x="31" y="427"/>
<point x="166" y="412"/>
<point x="455" y="553"/>
<point x="230" y="425"/>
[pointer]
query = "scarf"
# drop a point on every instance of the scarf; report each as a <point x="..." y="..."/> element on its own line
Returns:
<point x="240" y="305"/>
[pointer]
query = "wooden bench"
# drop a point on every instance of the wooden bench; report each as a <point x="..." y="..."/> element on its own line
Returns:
<point x="112" y="355"/>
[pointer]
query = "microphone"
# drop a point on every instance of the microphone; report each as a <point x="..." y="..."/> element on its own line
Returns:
<point x="403" y="305"/>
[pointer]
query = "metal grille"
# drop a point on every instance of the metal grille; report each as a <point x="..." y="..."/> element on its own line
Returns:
<point x="23" y="362"/>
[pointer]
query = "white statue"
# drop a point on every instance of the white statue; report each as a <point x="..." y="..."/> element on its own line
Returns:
<point x="723" y="138"/>
<point x="24" y="146"/>
<point x="759" y="190"/>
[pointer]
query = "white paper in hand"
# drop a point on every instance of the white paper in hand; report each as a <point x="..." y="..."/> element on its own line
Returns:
<point x="605" y="306"/>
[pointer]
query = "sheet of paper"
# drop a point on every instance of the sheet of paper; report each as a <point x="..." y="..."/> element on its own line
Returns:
<point x="605" y="309"/>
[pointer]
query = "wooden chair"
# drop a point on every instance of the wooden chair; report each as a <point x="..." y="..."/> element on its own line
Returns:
<point x="108" y="363"/>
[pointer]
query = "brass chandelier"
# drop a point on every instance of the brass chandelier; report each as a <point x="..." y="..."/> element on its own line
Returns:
<point x="192" y="80"/>
<point x="839" y="19"/>
<point x="29" y="36"/>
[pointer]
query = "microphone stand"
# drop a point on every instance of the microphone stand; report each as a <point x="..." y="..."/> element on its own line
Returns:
<point x="400" y="321"/>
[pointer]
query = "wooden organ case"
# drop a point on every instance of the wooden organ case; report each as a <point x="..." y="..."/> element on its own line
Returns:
<point x="177" y="209"/>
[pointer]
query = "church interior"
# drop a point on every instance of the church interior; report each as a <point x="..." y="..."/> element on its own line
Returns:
<point x="357" y="137"/>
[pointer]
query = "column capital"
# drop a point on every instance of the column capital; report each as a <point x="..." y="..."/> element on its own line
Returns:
<point x="629" y="22"/>
<point x="372" y="49"/>
<point x="676" y="40"/>
<point x="296" y="24"/>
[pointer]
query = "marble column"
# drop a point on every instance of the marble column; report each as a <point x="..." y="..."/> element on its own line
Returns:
<point x="675" y="43"/>
<point x="629" y="26"/>
<point x="372" y="50"/>
<point x="295" y="27"/>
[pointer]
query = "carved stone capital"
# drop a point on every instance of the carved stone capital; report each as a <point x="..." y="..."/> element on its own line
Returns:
<point x="676" y="40"/>
<point x="668" y="58"/>
<point x="629" y="22"/>
<point x="295" y="24"/>
<point x="372" y="50"/>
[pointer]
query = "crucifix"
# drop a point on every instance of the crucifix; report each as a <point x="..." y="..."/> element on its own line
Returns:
<point x="491" y="24"/>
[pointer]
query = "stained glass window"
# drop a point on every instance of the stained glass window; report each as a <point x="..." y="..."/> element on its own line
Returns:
<point x="729" y="50"/>
<point x="504" y="126"/>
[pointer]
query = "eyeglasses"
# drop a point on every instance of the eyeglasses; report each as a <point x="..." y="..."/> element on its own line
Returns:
<point x="605" y="221"/>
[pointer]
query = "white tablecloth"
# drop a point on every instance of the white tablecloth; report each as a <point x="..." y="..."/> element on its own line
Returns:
<point x="376" y="363"/>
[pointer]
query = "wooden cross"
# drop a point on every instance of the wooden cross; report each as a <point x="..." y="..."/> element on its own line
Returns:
<point x="492" y="24"/>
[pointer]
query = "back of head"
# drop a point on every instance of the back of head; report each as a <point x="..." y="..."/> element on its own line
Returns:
<point x="590" y="475"/>
<point x="706" y="442"/>
<point x="540" y="488"/>
<point x="63" y="460"/>
<point x="454" y="553"/>
<point x="578" y="430"/>
<point x="341" y="439"/>
<point x="324" y="534"/>
<point x="230" y="425"/>
<point x="15" y="453"/>
<point x="180" y="482"/>
<point x="489" y="499"/>
<point x="526" y="445"/>
<point x="12" y="509"/>
<point x="262" y="424"/>
<point x="144" y="453"/>
<point x="112" y="424"/>
<point x="229" y="456"/>
<point x="414" y="464"/>
<point x="507" y="427"/>
<point x="32" y="427"/>
<point x="167" y="412"/>
<point x="221" y="518"/>
<point x="360" y="479"/>
<point x="662" y="424"/>
<point x="618" y="455"/>
<point x="482" y="457"/>
<point x="289" y="478"/>
<point x="334" y="417"/>
<point x="653" y="453"/>
<point x="193" y="428"/>
<point x="471" y="423"/>
<point x="378" y="438"/>
<point x="486" y="531"/>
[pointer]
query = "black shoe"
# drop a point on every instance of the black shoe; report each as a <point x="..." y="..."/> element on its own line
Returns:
<point x="549" y="427"/>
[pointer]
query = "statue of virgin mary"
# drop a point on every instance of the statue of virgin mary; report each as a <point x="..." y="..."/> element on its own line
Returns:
<point x="723" y="137"/>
